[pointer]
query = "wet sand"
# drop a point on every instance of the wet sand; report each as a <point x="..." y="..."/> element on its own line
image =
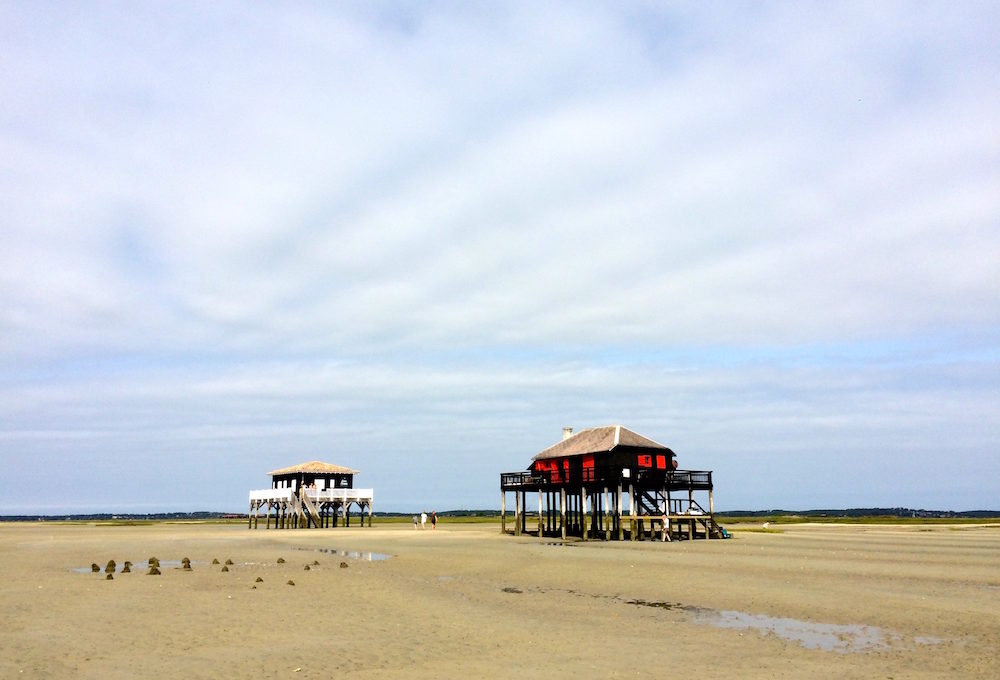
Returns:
<point x="817" y="601"/>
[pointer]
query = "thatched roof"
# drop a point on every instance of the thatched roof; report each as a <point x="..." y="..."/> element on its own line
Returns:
<point x="598" y="440"/>
<point x="314" y="467"/>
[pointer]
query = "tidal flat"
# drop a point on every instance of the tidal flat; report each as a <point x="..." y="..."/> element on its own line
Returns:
<point x="816" y="600"/>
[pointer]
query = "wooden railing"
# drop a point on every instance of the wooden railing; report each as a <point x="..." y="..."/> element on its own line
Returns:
<point x="510" y="480"/>
<point x="271" y="495"/>
<point x="327" y="495"/>
<point x="323" y="495"/>
<point x="675" y="479"/>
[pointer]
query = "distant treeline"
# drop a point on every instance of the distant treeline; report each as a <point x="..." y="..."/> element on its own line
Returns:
<point x="195" y="516"/>
<point x="112" y="516"/>
<point x="204" y="515"/>
<point x="866" y="512"/>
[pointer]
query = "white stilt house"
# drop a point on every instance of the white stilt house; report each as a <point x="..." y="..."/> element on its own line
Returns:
<point x="313" y="494"/>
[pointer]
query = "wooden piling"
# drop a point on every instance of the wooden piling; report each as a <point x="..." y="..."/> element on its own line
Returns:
<point x="562" y="511"/>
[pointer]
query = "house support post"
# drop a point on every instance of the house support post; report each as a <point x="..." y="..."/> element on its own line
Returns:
<point x="665" y="530"/>
<point x="584" y="529"/>
<point x="621" y="529"/>
<point x="541" y="519"/>
<point x="607" y="516"/>
<point x="562" y="511"/>
<point x="631" y="511"/>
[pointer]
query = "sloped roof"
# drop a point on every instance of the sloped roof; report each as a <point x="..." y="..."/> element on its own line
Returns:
<point x="314" y="467"/>
<point x="598" y="440"/>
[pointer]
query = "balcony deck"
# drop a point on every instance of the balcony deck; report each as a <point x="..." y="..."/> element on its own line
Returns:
<point x="674" y="480"/>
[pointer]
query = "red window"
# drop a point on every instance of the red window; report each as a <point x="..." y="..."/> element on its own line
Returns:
<point x="661" y="462"/>
<point x="645" y="461"/>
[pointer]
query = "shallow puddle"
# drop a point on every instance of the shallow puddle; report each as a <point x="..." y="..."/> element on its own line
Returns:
<point x="829" y="637"/>
<point x="363" y="555"/>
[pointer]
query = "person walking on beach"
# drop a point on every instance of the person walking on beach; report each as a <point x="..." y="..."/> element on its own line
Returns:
<point x="414" y="522"/>
<point x="423" y="520"/>
<point x="434" y="520"/>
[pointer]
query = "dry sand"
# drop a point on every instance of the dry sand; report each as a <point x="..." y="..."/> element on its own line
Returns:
<point x="816" y="601"/>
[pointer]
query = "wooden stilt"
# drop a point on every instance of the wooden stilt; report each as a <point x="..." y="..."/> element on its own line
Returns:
<point x="631" y="511"/>
<point x="541" y="520"/>
<point x="621" y="529"/>
<point x="503" y="512"/>
<point x="562" y="511"/>
<point x="606" y="517"/>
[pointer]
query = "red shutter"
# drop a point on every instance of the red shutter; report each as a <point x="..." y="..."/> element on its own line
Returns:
<point x="661" y="462"/>
<point x="645" y="461"/>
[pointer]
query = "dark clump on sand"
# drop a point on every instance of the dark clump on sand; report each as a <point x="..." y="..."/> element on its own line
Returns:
<point x="291" y="582"/>
<point x="259" y="580"/>
<point x="109" y="577"/>
<point x="229" y="562"/>
<point x="154" y="571"/>
<point x="225" y="567"/>
<point x="215" y="560"/>
<point x="186" y="564"/>
<point x="307" y="568"/>
<point x="127" y="569"/>
<point x="153" y="562"/>
<point x="281" y="560"/>
<point x="109" y="568"/>
<point x="343" y="565"/>
<point x="94" y="568"/>
<point x="316" y="563"/>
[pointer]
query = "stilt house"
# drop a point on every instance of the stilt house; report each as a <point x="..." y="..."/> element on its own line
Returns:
<point x="611" y="483"/>
<point x="313" y="494"/>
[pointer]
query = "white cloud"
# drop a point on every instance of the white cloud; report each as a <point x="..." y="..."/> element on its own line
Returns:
<point x="368" y="189"/>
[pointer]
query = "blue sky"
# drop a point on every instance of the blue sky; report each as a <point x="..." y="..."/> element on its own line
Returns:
<point x="418" y="239"/>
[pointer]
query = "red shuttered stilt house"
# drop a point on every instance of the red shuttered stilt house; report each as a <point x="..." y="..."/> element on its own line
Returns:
<point x="611" y="483"/>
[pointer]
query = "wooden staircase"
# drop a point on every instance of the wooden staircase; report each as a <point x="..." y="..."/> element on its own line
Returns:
<point x="307" y="510"/>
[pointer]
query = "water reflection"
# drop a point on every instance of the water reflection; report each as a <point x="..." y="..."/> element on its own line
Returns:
<point x="363" y="555"/>
<point x="830" y="637"/>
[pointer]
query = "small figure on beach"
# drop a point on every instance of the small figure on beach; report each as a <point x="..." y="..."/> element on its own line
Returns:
<point x="434" y="520"/>
<point x="423" y="520"/>
<point x="415" y="520"/>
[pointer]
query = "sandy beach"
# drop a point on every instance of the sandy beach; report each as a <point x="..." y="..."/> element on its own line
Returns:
<point x="817" y="601"/>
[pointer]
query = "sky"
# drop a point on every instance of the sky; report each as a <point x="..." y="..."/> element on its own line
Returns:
<point x="419" y="239"/>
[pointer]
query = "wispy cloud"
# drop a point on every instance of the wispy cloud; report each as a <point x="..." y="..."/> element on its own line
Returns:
<point x="244" y="235"/>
